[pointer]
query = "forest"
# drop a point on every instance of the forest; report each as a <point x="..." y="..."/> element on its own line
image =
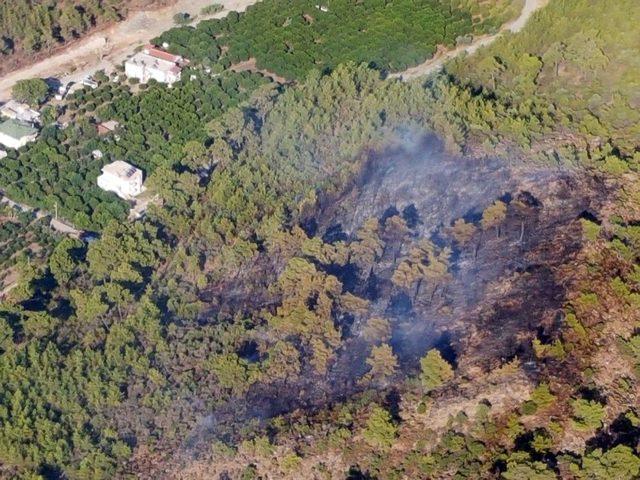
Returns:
<point x="25" y="241"/>
<point x="260" y="323"/>
<point x="558" y="53"/>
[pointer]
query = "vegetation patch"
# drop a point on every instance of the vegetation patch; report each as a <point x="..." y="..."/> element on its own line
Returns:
<point x="292" y="37"/>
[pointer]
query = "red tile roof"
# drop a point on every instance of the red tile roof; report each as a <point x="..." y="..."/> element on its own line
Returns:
<point x="161" y="54"/>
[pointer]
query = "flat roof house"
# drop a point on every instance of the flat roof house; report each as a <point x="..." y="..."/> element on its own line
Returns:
<point x="154" y="63"/>
<point x="14" y="134"/>
<point x="122" y="178"/>
<point x="20" y="111"/>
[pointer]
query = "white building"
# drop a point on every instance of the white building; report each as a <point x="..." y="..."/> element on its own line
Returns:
<point x="14" y="134"/>
<point x="122" y="178"/>
<point x="20" y="111"/>
<point x="88" y="81"/>
<point x="154" y="63"/>
<point x="63" y="90"/>
<point x="3" y="154"/>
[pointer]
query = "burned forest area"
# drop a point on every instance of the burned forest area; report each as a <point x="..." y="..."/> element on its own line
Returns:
<point x="491" y="243"/>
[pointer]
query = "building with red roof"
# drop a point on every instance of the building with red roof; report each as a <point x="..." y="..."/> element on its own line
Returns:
<point x="154" y="63"/>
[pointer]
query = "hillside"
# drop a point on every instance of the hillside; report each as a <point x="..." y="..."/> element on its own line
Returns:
<point x="347" y="276"/>
<point x="31" y="28"/>
<point x="578" y="56"/>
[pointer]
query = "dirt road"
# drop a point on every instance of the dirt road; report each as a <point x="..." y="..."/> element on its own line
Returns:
<point x="437" y="62"/>
<point x="105" y="49"/>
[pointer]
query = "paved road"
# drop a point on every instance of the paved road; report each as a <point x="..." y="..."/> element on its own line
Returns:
<point x="105" y="49"/>
<point x="436" y="63"/>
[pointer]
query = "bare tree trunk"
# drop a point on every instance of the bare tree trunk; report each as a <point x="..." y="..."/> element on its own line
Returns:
<point x="370" y="272"/>
<point x="419" y="284"/>
<point x="433" y="292"/>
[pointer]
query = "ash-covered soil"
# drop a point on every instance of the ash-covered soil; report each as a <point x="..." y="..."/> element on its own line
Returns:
<point x="504" y="284"/>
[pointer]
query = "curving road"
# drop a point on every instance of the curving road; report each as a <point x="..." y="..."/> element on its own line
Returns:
<point x="105" y="49"/>
<point x="437" y="62"/>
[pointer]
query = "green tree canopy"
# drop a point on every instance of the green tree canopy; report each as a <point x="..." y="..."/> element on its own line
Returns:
<point x="435" y="370"/>
<point x="32" y="91"/>
<point x="380" y="432"/>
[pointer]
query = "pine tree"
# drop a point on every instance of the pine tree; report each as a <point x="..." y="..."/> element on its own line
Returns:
<point x="435" y="370"/>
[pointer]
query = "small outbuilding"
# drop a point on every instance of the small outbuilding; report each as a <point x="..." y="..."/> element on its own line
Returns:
<point x="89" y="81"/>
<point x="105" y="128"/>
<point x="121" y="178"/>
<point x="14" y="134"/>
<point x="20" y="111"/>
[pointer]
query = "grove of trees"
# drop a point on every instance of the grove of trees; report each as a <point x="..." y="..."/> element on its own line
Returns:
<point x="292" y="37"/>
<point x="58" y="171"/>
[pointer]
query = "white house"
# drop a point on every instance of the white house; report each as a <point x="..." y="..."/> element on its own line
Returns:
<point x="122" y="178"/>
<point x="20" y="111"/>
<point x="154" y="63"/>
<point x="3" y="154"/>
<point x="14" y="134"/>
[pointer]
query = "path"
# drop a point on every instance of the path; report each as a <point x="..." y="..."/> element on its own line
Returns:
<point x="251" y="66"/>
<point x="58" y="225"/>
<point x="105" y="49"/>
<point x="437" y="62"/>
